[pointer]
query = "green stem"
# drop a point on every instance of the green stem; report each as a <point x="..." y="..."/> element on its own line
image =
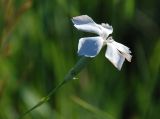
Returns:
<point x="70" y="75"/>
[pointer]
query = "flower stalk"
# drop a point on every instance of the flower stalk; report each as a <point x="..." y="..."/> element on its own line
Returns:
<point x="69" y="76"/>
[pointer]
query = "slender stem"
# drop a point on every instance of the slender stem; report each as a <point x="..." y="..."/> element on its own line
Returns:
<point x="43" y="100"/>
<point x="70" y="75"/>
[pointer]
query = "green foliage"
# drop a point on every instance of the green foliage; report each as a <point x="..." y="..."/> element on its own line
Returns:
<point x="38" y="48"/>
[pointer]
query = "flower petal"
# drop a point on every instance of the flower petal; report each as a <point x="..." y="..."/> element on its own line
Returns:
<point x="107" y="28"/>
<point x="114" y="56"/>
<point x="83" y="19"/>
<point x="90" y="46"/>
<point x="127" y="56"/>
<point x="123" y="49"/>
<point x="85" y="23"/>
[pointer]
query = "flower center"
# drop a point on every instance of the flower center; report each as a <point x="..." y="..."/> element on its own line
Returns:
<point x="109" y="40"/>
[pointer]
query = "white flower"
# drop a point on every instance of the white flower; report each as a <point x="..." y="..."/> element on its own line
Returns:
<point x="91" y="46"/>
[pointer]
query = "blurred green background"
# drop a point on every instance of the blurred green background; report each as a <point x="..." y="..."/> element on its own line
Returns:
<point x="39" y="46"/>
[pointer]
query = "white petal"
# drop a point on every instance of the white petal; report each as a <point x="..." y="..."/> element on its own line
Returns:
<point x="114" y="56"/>
<point x="85" y="23"/>
<point x="107" y="28"/>
<point x="123" y="49"/>
<point x="90" y="46"/>
<point x="83" y="19"/>
<point x="127" y="56"/>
